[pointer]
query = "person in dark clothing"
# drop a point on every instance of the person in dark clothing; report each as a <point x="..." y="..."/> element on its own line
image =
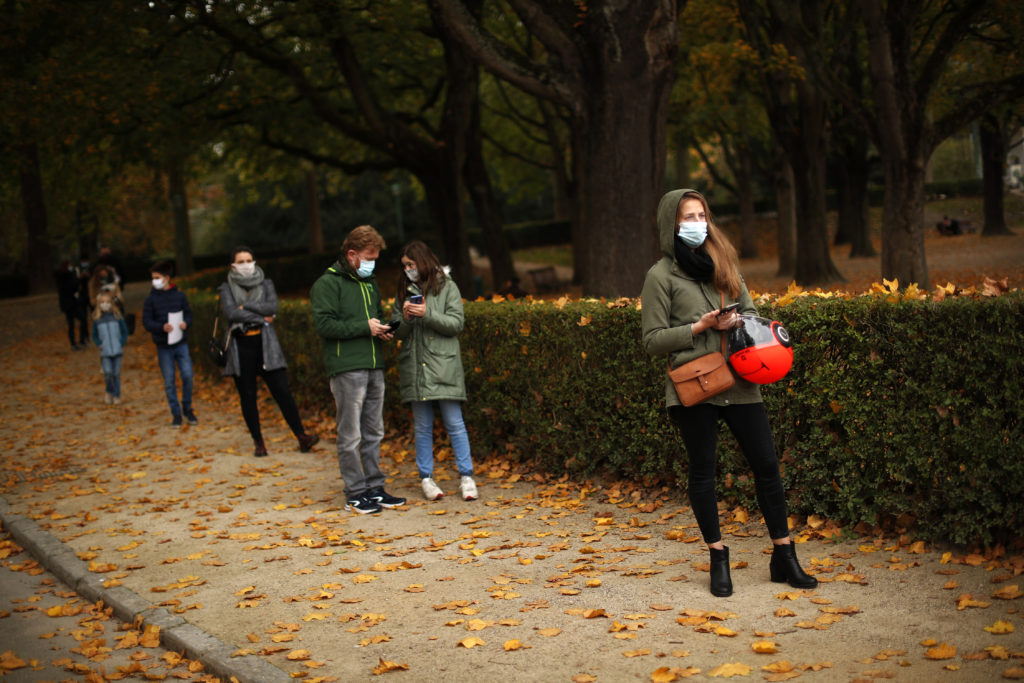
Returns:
<point x="167" y="317"/>
<point x="73" y="308"/>
<point x="249" y="302"/>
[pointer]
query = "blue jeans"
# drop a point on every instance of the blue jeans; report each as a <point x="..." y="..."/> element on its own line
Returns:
<point x="168" y="356"/>
<point x="112" y="374"/>
<point x="359" y="402"/>
<point x="423" y="426"/>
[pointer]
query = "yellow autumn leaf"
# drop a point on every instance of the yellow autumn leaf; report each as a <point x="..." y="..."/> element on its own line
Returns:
<point x="784" y="612"/>
<point x="1000" y="628"/>
<point x="386" y="666"/>
<point x="549" y="632"/>
<point x="941" y="651"/>
<point x="729" y="670"/>
<point x="471" y="642"/>
<point x="764" y="647"/>
<point x="637" y="653"/>
<point x="298" y="655"/>
<point x="1008" y="592"/>
<point x="511" y="645"/>
<point x="594" y="613"/>
<point x="726" y="632"/>
<point x="779" y="667"/>
<point x="663" y="675"/>
<point x="363" y="578"/>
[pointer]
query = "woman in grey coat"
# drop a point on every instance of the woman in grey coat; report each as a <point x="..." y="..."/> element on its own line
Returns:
<point x="682" y="319"/>
<point x="249" y="302"/>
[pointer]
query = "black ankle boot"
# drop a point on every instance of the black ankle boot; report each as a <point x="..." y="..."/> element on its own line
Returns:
<point x="721" y="582"/>
<point x="261" y="450"/>
<point x="784" y="568"/>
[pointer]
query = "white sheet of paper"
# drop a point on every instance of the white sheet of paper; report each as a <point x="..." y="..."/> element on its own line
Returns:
<point x="175" y="318"/>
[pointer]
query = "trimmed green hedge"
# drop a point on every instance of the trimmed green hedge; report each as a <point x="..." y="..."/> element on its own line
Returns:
<point x="892" y="408"/>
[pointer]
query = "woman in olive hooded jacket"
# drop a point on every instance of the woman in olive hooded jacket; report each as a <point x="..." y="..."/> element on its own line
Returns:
<point x="429" y="362"/>
<point x="682" y="296"/>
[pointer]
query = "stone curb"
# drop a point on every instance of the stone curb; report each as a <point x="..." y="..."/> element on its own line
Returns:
<point x="176" y="634"/>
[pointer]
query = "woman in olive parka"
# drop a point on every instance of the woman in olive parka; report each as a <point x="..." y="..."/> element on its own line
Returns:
<point x="430" y="364"/>
<point x="682" y="298"/>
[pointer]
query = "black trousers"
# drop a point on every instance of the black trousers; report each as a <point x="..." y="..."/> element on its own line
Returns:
<point x="250" y="365"/>
<point x="749" y="424"/>
<point x="83" y="326"/>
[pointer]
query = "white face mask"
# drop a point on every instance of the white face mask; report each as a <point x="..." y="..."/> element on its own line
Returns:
<point x="245" y="269"/>
<point x="159" y="283"/>
<point x="365" y="268"/>
<point x="693" y="233"/>
<point x="413" y="274"/>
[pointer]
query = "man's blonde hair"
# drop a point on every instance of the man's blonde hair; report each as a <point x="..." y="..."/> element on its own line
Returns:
<point x="361" y="238"/>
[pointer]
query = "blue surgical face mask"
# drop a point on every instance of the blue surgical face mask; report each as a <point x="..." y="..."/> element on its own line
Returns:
<point x="365" y="268"/>
<point x="693" y="233"/>
<point x="413" y="274"/>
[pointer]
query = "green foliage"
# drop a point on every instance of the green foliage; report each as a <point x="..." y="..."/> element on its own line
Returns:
<point x="891" y="408"/>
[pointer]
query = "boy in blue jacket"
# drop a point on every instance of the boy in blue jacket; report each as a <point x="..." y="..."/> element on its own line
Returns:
<point x="164" y="303"/>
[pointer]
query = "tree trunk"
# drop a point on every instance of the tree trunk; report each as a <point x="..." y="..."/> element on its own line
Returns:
<point x="786" y="202"/>
<point x="478" y="183"/>
<point x="179" y="207"/>
<point x="37" y="252"/>
<point x="745" y="196"/>
<point x="851" y="170"/>
<point x="806" y="147"/>
<point x="900" y="144"/>
<point x="444" y="198"/>
<point x="993" y="160"/>
<point x="622" y="173"/>
<point x="316" y="227"/>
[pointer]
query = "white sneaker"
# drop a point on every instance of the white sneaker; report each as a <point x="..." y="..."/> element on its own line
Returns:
<point x="468" y="487"/>
<point x="117" y="400"/>
<point x="108" y="398"/>
<point x="432" y="491"/>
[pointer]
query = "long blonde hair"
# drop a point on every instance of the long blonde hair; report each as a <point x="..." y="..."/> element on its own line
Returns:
<point x="100" y="298"/>
<point x="719" y="248"/>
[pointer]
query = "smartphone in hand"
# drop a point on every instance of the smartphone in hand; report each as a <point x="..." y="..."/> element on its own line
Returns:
<point x="392" y="326"/>
<point x="728" y="309"/>
<point x="416" y="298"/>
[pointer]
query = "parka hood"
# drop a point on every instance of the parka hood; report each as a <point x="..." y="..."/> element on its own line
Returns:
<point x="667" y="219"/>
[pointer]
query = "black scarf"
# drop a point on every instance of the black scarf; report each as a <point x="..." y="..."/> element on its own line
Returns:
<point x="695" y="262"/>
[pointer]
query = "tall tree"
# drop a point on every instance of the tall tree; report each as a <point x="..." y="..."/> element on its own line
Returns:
<point x="406" y="108"/>
<point x="610" y="63"/>
<point x="797" y="110"/>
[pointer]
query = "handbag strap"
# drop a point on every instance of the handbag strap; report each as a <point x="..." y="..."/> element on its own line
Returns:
<point x="722" y="334"/>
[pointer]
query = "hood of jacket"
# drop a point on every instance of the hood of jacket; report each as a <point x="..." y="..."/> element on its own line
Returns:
<point x="667" y="227"/>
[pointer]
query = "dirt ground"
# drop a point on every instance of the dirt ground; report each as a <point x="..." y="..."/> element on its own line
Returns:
<point x="540" y="579"/>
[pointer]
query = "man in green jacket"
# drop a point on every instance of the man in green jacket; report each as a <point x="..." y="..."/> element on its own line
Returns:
<point x="347" y="314"/>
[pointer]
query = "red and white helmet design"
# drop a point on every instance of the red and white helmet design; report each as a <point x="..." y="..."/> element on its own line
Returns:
<point x="760" y="350"/>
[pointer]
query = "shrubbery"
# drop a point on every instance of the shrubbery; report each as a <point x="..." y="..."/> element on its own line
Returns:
<point x="894" y="407"/>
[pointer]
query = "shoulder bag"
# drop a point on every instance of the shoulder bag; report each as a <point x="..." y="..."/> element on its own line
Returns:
<point x="217" y="350"/>
<point x="703" y="377"/>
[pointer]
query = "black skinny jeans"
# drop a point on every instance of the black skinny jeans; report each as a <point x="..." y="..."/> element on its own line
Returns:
<point x="250" y="366"/>
<point x="83" y="326"/>
<point x="749" y="424"/>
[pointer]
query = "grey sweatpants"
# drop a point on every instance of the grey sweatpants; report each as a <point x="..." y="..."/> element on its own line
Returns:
<point x="359" y="402"/>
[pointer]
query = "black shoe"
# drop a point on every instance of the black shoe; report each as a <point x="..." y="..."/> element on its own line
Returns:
<point x="261" y="449"/>
<point x="307" y="441"/>
<point x="383" y="498"/>
<point x="176" y="421"/>
<point x="784" y="568"/>
<point x="721" y="582"/>
<point x="191" y="417"/>
<point x="363" y="505"/>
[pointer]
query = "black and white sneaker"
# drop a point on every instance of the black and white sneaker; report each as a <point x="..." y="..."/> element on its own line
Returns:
<point x="383" y="498"/>
<point x="363" y="505"/>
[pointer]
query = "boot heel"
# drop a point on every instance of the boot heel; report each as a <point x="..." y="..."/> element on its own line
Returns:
<point x="785" y="568"/>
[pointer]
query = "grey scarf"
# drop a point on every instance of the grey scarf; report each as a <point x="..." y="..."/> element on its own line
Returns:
<point x="246" y="290"/>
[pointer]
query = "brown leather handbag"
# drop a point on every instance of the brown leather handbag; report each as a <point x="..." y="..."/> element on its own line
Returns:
<point x="703" y="377"/>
